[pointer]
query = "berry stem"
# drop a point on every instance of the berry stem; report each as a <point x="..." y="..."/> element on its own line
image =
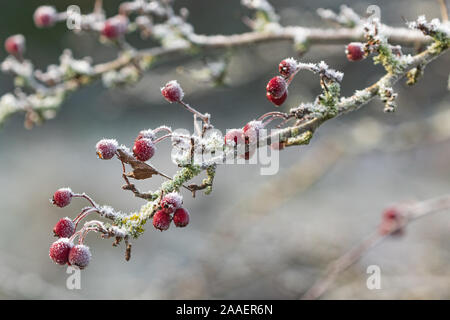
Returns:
<point x="162" y="138"/>
<point x="84" y="214"/>
<point x="162" y="128"/>
<point x="98" y="6"/>
<point x="85" y="196"/>
<point x="204" y="117"/>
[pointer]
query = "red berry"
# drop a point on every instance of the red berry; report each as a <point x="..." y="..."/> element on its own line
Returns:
<point x="45" y="16"/>
<point x="106" y="148"/>
<point x="161" y="220"/>
<point x="15" y="45"/>
<point x="171" y="202"/>
<point x="149" y="134"/>
<point x="143" y="149"/>
<point x="181" y="217"/>
<point x="277" y="87"/>
<point x="62" y="197"/>
<point x="64" y="228"/>
<point x="251" y="131"/>
<point x="234" y="137"/>
<point x="79" y="256"/>
<point x="115" y="27"/>
<point x="391" y="220"/>
<point x="59" y="250"/>
<point x="287" y="67"/>
<point x="355" y="51"/>
<point x="172" y="91"/>
<point x="277" y="101"/>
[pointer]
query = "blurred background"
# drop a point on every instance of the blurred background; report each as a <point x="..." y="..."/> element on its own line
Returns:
<point x="261" y="237"/>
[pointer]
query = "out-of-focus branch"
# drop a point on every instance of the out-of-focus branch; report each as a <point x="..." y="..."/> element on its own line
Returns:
<point x="444" y="9"/>
<point x="48" y="94"/>
<point x="405" y="213"/>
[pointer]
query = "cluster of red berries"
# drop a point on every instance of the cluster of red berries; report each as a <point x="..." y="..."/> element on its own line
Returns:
<point x="112" y="28"/>
<point x="63" y="251"/>
<point x="248" y="136"/>
<point x="143" y="148"/>
<point x="145" y="143"/>
<point x="277" y="87"/>
<point x="355" y="51"/>
<point x="171" y="210"/>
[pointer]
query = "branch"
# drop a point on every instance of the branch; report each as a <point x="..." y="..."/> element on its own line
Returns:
<point x="394" y="221"/>
<point x="194" y="149"/>
<point x="50" y="89"/>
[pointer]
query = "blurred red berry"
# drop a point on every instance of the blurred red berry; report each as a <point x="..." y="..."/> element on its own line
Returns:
<point x="15" y="45"/>
<point x="64" y="228"/>
<point x="277" y="87"/>
<point x="234" y="137"/>
<point x="172" y="91"/>
<point x="161" y="220"/>
<point x="277" y="101"/>
<point x="181" y="217"/>
<point x="355" y="51"/>
<point x="287" y="67"/>
<point x="251" y="131"/>
<point x="80" y="256"/>
<point x="171" y="202"/>
<point x="62" y="197"/>
<point x="143" y="149"/>
<point x="391" y="222"/>
<point x="45" y="16"/>
<point x="115" y="27"/>
<point x="59" y="250"/>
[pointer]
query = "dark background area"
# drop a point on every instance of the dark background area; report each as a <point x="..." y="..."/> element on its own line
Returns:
<point x="254" y="236"/>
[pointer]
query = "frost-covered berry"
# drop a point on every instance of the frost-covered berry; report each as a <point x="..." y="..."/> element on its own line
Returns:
<point x="15" y="45"/>
<point x="277" y="87"/>
<point x="79" y="256"/>
<point x="64" y="228"/>
<point x="181" y="217"/>
<point x="45" y="16"/>
<point x="161" y="220"/>
<point x="251" y="131"/>
<point x="115" y="27"/>
<point x="106" y="148"/>
<point x="172" y="91"/>
<point x="143" y="149"/>
<point x="148" y="134"/>
<point x="355" y="51"/>
<point x="62" y="197"/>
<point x="234" y="137"/>
<point x="277" y="101"/>
<point x="59" y="250"/>
<point x="171" y="202"/>
<point x="287" y="67"/>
